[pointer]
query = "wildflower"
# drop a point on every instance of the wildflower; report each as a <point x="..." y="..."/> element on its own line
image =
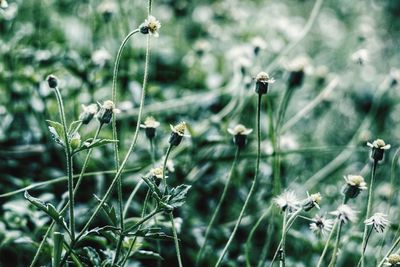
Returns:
<point x="321" y="226"/>
<point x="100" y="57"/>
<point x="258" y="44"/>
<point x="287" y="201"/>
<point x="88" y="113"/>
<point x="360" y="56"/>
<point x="393" y="260"/>
<point x="3" y="4"/>
<point x="52" y="81"/>
<point x="157" y="175"/>
<point x="107" y="9"/>
<point x="178" y="132"/>
<point x="312" y="201"/>
<point x="378" y="149"/>
<point x="345" y="213"/>
<point x="150" y="26"/>
<point x="106" y="111"/>
<point x="354" y="185"/>
<point x="296" y="71"/>
<point x="150" y="125"/>
<point x="262" y="82"/>
<point x="378" y="221"/>
<point x="240" y="133"/>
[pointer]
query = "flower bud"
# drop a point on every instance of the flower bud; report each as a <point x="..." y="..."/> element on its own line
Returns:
<point x="296" y="71"/>
<point x="150" y="125"/>
<point x="75" y="141"/>
<point x="52" y="81"/>
<point x="156" y="174"/>
<point x="106" y="111"/>
<point x="262" y="82"/>
<point x="378" y="149"/>
<point x="240" y="133"/>
<point x="88" y="113"/>
<point x="354" y="185"/>
<point x="178" y="132"/>
<point x="312" y="201"/>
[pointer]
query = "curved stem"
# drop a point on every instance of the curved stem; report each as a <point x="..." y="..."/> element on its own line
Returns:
<point x="252" y="232"/>
<point x="68" y="155"/>
<point x="176" y="241"/>
<point x="217" y="209"/>
<point x="369" y="208"/>
<point x="321" y="258"/>
<point x="252" y="188"/>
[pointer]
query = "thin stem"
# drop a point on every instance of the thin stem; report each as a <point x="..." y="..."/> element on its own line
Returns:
<point x="282" y="258"/>
<point x="252" y="188"/>
<point x="336" y="248"/>
<point x="131" y="196"/>
<point x="176" y="241"/>
<point x="152" y="152"/>
<point x="252" y="232"/>
<point x="68" y="155"/>
<point x="217" y="209"/>
<point x="369" y="208"/>
<point x="165" y="167"/>
<point x="321" y="258"/>
<point x="392" y="248"/>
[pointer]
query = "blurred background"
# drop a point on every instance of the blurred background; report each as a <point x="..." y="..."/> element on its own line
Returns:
<point x="201" y="70"/>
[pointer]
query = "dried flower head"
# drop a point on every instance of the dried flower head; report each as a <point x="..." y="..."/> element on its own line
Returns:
<point x="287" y="201"/>
<point x="106" y="111"/>
<point x="52" y="81"/>
<point x="239" y="133"/>
<point x="345" y="213"/>
<point x="378" y="221"/>
<point x="378" y="148"/>
<point x="393" y="260"/>
<point x="262" y="82"/>
<point x="321" y="226"/>
<point x="150" y="26"/>
<point x="178" y="132"/>
<point x="312" y="201"/>
<point x="150" y="124"/>
<point x="354" y="185"/>
<point x="88" y="113"/>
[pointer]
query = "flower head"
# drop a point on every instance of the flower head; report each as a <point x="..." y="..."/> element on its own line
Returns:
<point x="296" y="70"/>
<point x="345" y="213"/>
<point x="262" y="82"/>
<point x="321" y="226"/>
<point x="52" y="81"/>
<point x="258" y="44"/>
<point x="178" y="132"/>
<point x="88" y="113"/>
<point x="106" y="111"/>
<point x="378" y="221"/>
<point x="3" y="4"/>
<point x="312" y="201"/>
<point x="239" y="133"/>
<point x="150" y="26"/>
<point x="354" y="185"/>
<point x="287" y="201"/>
<point x="393" y="260"/>
<point x="107" y="9"/>
<point x="157" y="173"/>
<point x="378" y="148"/>
<point x="150" y="124"/>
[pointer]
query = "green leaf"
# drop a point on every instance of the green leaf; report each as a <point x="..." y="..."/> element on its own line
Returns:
<point x="109" y="212"/>
<point x="57" y="132"/>
<point x="152" y="232"/>
<point x="89" y="143"/>
<point x="178" y="195"/>
<point x="146" y="254"/>
<point x="73" y="127"/>
<point x="93" y="256"/>
<point x="48" y="208"/>
<point x="101" y="230"/>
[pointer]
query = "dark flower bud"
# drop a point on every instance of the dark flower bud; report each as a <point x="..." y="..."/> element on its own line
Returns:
<point x="88" y="113"/>
<point x="378" y="149"/>
<point x="178" y="132"/>
<point x="52" y="81"/>
<point x="240" y="133"/>
<point x="106" y="111"/>
<point x="150" y="125"/>
<point x="354" y="185"/>
<point x="262" y="82"/>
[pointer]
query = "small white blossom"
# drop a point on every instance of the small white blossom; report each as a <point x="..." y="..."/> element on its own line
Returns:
<point x="100" y="57"/>
<point x="345" y="213"/>
<point x="380" y="144"/>
<point x="179" y="128"/>
<point x="378" y="221"/>
<point x="263" y="77"/>
<point x="150" y="122"/>
<point x="393" y="260"/>
<point x="287" y="200"/>
<point x="321" y="226"/>
<point x="157" y="173"/>
<point x="150" y="26"/>
<point x="239" y="130"/>
<point x="356" y="181"/>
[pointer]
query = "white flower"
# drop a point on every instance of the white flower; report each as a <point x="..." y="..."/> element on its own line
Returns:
<point x="100" y="57"/>
<point x="360" y="56"/>
<point x="150" y="122"/>
<point x="393" y="260"/>
<point x="157" y="173"/>
<point x="321" y="226"/>
<point x="239" y="130"/>
<point x="287" y="200"/>
<point x="345" y="213"/>
<point x="151" y="25"/>
<point x="179" y="128"/>
<point x="3" y="4"/>
<point x="380" y="144"/>
<point x="264" y="78"/>
<point x="378" y="221"/>
<point x="356" y="181"/>
<point x="299" y="63"/>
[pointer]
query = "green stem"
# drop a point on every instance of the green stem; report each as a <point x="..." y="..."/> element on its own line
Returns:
<point x="164" y="169"/>
<point x="321" y="258"/>
<point x="68" y="155"/>
<point x="252" y="188"/>
<point x="282" y="258"/>
<point x="336" y="248"/>
<point x="131" y="196"/>
<point x="252" y="232"/>
<point x="176" y="241"/>
<point x="369" y="208"/>
<point x="217" y="209"/>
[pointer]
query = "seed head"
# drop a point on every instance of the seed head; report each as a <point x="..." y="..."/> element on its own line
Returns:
<point x="287" y="201"/>
<point x="345" y="213"/>
<point x="321" y="226"/>
<point x="150" y="26"/>
<point x="312" y="201"/>
<point x="378" y="221"/>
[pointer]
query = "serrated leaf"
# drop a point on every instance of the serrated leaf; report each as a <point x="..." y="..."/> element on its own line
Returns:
<point x="101" y="230"/>
<point x="73" y="127"/>
<point x="152" y="232"/>
<point x="109" y="212"/>
<point x="57" y="131"/>
<point x="48" y="208"/>
<point x="178" y="195"/>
